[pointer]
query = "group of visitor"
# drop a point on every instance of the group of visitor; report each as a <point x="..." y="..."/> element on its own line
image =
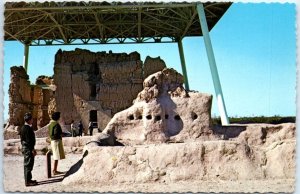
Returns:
<point x="28" y="142"/>
<point x="74" y="129"/>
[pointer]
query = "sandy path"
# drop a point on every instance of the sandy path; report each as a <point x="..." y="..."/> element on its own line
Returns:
<point x="14" y="181"/>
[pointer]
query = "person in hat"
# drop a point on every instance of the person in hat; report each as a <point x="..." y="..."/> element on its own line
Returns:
<point x="27" y="137"/>
<point x="55" y="133"/>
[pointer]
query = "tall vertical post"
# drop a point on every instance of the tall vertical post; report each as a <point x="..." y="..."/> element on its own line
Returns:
<point x="212" y="64"/>
<point x="25" y="58"/>
<point x="182" y="60"/>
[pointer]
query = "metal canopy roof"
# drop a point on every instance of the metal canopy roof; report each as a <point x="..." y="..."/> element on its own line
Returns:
<point x="56" y="23"/>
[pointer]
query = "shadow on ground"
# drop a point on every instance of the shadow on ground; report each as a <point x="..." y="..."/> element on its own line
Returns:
<point x="76" y="166"/>
<point x="49" y="181"/>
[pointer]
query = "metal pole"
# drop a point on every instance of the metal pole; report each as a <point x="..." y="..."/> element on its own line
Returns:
<point x="25" y="59"/>
<point x="212" y="64"/>
<point x="48" y="163"/>
<point x="182" y="60"/>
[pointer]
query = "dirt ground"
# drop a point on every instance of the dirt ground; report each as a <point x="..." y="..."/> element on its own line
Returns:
<point x="13" y="181"/>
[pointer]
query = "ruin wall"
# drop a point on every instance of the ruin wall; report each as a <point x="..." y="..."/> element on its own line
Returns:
<point x="106" y="82"/>
<point x="83" y="81"/>
<point x="23" y="98"/>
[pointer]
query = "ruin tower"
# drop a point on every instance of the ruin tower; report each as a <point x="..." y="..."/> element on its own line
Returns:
<point x="93" y="86"/>
<point x="25" y="97"/>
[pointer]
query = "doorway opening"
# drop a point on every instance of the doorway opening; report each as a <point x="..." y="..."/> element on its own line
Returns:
<point x="93" y="91"/>
<point x="93" y="115"/>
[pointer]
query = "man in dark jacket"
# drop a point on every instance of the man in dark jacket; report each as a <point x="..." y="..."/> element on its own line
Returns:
<point x="28" y="142"/>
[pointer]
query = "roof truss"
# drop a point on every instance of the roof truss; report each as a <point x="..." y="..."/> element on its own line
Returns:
<point x="56" y="23"/>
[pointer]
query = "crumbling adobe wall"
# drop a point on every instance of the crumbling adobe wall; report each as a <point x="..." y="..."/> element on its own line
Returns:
<point x="83" y="81"/>
<point x="97" y="81"/>
<point x="45" y="96"/>
<point x="19" y="95"/>
<point x="162" y="112"/>
<point x="23" y="98"/>
<point x="153" y="65"/>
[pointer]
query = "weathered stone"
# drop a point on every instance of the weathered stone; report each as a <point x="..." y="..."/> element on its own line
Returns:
<point x="27" y="98"/>
<point x="163" y="112"/>
<point x="71" y="144"/>
<point x="216" y="160"/>
<point x="153" y="65"/>
<point x="43" y="80"/>
<point x="11" y="132"/>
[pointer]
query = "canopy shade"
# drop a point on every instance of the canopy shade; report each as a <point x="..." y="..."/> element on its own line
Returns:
<point x="52" y="23"/>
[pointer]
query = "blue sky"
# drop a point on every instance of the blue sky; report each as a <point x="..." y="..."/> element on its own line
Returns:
<point x="255" y="51"/>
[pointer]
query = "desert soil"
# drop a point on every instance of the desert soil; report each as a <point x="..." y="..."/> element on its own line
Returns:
<point x="13" y="181"/>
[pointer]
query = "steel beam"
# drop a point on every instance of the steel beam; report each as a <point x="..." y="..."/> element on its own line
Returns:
<point x="182" y="60"/>
<point x="59" y="27"/>
<point x="212" y="64"/>
<point x="25" y="58"/>
<point x="189" y="24"/>
<point x="166" y="5"/>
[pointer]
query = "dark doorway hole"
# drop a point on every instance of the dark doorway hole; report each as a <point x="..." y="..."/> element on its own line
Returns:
<point x="194" y="116"/>
<point x="157" y="118"/>
<point x="149" y="117"/>
<point x="130" y="117"/>
<point x="177" y="117"/>
<point x="166" y="116"/>
<point x="93" y="115"/>
<point x="96" y="69"/>
<point x="140" y="117"/>
<point x="93" y="91"/>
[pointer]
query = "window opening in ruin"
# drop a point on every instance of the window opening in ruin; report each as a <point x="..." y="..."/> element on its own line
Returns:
<point x="93" y="115"/>
<point x="93" y="91"/>
<point x="149" y="117"/>
<point x="130" y="117"/>
<point x="194" y="116"/>
<point x="177" y="117"/>
<point x="140" y="117"/>
<point x="96" y="69"/>
<point x="157" y="118"/>
<point x="166" y="116"/>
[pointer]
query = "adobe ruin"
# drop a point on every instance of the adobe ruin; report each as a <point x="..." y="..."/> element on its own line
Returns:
<point x="24" y="97"/>
<point x="162" y="112"/>
<point x="168" y="138"/>
<point x="87" y="86"/>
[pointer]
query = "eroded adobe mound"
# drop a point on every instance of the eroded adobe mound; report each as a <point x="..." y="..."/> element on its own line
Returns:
<point x="201" y="152"/>
<point x="163" y="111"/>
<point x="260" y="152"/>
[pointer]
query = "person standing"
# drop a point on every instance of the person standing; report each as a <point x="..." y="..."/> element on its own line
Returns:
<point x="55" y="133"/>
<point x="28" y="142"/>
<point x="73" y="129"/>
<point x="91" y="128"/>
<point x="80" y="126"/>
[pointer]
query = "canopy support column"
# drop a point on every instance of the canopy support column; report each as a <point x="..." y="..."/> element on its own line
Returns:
<point x="182" y="60"/>
<point x="25" y="58"/>
<point x="212" y="64"/>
